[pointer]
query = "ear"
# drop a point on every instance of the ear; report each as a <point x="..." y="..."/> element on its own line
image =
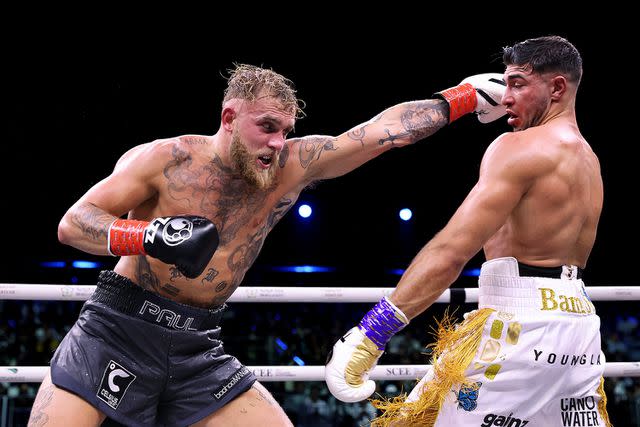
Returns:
<point x="228" y="117"/>
<point x="558" y="87"/>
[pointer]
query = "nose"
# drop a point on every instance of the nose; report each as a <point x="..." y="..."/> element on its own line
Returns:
<point x="507" y="99"/>
<point x="276" y="143"/>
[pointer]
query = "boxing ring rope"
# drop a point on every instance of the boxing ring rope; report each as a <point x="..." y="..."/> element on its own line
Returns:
<point x="257" y="294"/>
<point x="32" y="374"/>
<point x="21" y="291"/>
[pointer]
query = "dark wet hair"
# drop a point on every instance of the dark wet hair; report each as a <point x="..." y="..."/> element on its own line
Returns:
<point x="546" y="54"/>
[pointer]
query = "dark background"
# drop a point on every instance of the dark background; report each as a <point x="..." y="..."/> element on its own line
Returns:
<point x="79" y="96"/>
<point x="80" y="87"/>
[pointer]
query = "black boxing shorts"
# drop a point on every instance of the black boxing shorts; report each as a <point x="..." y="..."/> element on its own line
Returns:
<point x="145" y="360"/>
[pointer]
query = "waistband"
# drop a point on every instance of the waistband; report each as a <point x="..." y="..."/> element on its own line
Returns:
<point x="121" y="294"/>
<point x="567" y="272"/>
<point x="505" y="286"/>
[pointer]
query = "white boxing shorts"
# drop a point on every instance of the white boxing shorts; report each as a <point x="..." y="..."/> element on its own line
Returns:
<point x="529" y="356"/>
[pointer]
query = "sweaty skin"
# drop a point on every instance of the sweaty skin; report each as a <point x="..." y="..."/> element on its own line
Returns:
<point x="196" y="175"/>
<point x="538" y="198"/>
<point x="556" y="219"/>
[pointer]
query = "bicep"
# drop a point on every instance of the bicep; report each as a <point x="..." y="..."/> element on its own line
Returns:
<point x="484" y="210"/>
<point x="319" y="157"/>
<point x="118" y="194"/>
<point x="129" y="185"/>
<point x="310" y="152"/>
<point x="509" y="168"/>
<point x="324" y="157"/>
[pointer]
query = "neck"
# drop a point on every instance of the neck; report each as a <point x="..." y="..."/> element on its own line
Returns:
<point x="221" y="157"/>
<point x="221" y="147"/>
<point x="561" y="111"/>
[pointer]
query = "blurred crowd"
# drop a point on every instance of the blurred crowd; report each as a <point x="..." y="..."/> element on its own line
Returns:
<point x="290" y="334"/>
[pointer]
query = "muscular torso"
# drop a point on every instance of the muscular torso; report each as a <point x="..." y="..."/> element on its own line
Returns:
<point x="555" y="221"/>
<point x="194" y="183"/>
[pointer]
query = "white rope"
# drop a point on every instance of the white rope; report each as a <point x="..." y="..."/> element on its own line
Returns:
<point x="20" y="291"/>
<point x="34" y="374"/>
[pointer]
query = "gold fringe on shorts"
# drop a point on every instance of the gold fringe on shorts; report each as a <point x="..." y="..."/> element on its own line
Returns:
<point x="602" y="405"/>
<point x="454" y="350"/>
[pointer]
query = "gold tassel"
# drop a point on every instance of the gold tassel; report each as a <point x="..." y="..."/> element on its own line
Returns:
<point x="602" y="405"/>
<point x="455" y="348"/>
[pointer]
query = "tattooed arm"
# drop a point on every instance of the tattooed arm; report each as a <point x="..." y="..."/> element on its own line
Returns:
<point x="85" y="225"/>
<point x="327" y="157"/>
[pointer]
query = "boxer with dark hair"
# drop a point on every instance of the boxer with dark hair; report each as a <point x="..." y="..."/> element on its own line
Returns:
<point x="536" y="338"/>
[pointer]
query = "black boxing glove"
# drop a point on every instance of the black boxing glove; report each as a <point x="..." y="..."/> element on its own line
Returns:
<point x="186" y="241"/>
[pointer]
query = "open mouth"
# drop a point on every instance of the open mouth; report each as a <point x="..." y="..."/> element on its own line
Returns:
<point x="265" y="161"/>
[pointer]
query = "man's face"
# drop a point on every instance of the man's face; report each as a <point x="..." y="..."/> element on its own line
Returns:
<point x="257" y="140"/>
<point x="527" y="97"/>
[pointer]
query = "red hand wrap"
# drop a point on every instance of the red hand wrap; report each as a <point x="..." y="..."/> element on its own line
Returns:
<point x="462" y="100"/>
<point x="126" y="237"/>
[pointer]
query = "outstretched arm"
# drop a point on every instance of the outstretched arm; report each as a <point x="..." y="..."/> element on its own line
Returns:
<point x="323" y="157"/>
<point x="508" y="169"/>
<point x="506" y="174"/>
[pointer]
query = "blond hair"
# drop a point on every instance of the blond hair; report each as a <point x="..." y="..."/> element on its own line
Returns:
<point x="248" y="82"/>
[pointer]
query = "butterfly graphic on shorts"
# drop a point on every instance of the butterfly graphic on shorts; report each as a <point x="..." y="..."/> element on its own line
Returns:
<point x="468" y="396"/>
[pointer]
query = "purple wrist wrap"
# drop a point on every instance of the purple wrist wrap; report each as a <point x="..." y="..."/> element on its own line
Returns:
<point x="381" y="323"/>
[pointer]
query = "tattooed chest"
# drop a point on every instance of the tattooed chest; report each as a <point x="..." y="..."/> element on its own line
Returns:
<point x="207" y="191"/>
<point x="235" y="216"/>
<point x="225" y="271"/>
<point x="245" y="249"/>
<point x="230" y="216"/>
<point x="243" y="215"/>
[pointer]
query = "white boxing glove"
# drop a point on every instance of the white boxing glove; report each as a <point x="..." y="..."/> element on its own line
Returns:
<point x="358" y="351"/>
<point x="480" y="94"/>
<point x="347" y="373"/>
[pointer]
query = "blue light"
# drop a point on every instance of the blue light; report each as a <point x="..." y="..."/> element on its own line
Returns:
<point x="473" y="272"/>
<point x="396" y="271"/>
<point x="305" y="211"/>
<point x="85" y="264"/>
<point x="53" y="264"/>
<point x="309" y="269"/>
<point x="405" y="214"/>
<point x="298" y="360"/>
<point x="303" y="269"/>
<point x="281" y="344"/>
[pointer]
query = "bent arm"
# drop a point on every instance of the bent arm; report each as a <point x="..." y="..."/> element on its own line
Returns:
<point x="504" y="178"/>
<point x="85" y="225"/>
<point x="323" y="157"/>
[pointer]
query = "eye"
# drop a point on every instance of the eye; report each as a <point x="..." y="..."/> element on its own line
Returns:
<point x="268" y="127"/>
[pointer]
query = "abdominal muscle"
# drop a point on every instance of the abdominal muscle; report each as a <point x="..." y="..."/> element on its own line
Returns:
<point x="211" y="289"/>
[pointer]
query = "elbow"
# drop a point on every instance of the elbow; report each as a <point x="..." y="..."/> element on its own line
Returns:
<point x="65" y="230"/>
<point x="458" y="262"/>
<point x="453" y="264"/>
<point x="451" y="271"/>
